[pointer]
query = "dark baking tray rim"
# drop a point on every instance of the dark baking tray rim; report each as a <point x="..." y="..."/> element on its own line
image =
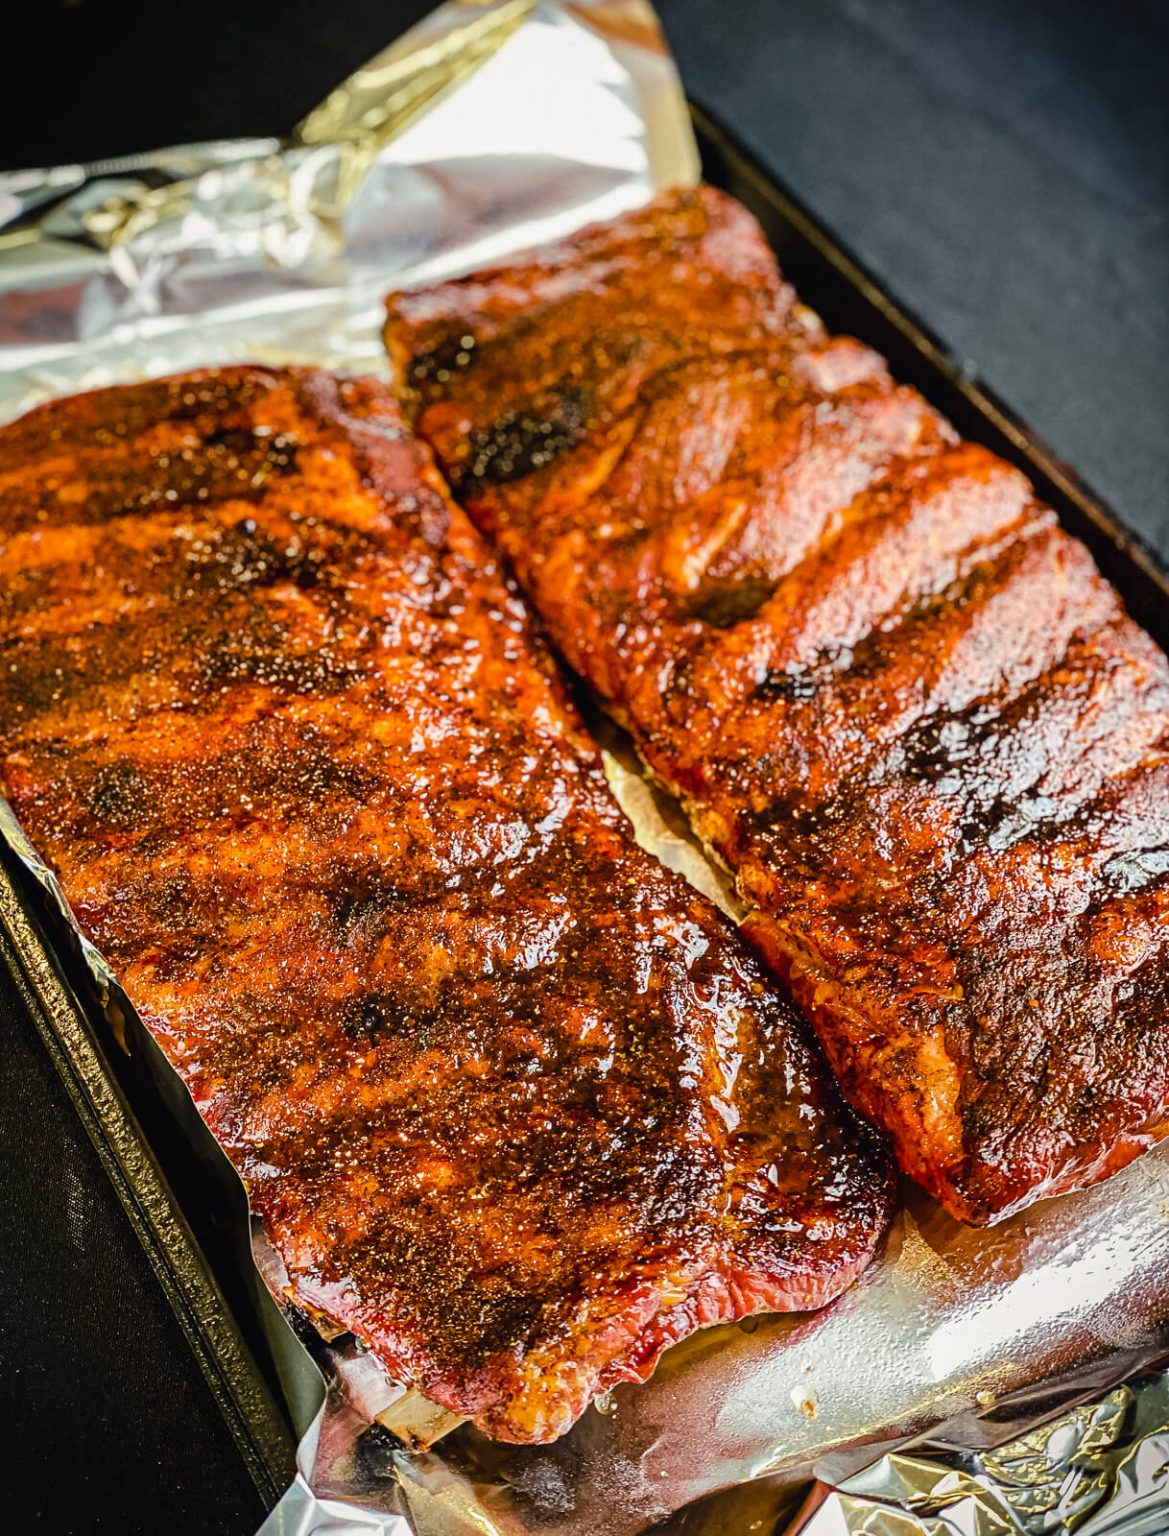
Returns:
<point x="61" y="1000"/>
<point x="115" y="1106"/>
<point x="850" y="299"/>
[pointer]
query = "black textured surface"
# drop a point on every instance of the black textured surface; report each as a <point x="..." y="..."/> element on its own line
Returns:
<point x="1003" y="166"/>
<point x="108" y="1427"/>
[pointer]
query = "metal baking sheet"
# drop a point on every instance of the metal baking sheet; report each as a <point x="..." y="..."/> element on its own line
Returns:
<point x="63" y="1012"/>
<point x="281" y="250"/>
<point x="835" y="284"/>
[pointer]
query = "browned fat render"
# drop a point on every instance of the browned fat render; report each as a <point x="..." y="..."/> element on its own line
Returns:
<point x="514" y="1103"/>
<point x="897" y="699"/>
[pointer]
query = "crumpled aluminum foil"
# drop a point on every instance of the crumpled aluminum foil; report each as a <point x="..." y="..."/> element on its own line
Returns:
<point x="490" y="127"/>
<point x="1100" y="1470"/>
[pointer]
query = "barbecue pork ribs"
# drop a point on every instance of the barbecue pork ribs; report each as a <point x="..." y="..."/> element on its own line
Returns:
<point x="898" y="701"/>
<point x="513" y="1102"/>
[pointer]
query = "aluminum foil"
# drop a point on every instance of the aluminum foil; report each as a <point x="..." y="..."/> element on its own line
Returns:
<point x="1100" y="1470"/>
<point x="487" y="128"/>
<point x="928" y="1398"/>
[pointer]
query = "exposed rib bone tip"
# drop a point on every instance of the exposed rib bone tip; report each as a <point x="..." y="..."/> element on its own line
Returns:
<point x="417" y="1423"/>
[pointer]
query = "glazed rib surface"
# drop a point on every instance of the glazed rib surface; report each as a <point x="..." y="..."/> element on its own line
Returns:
<point x="512" y="1101"/>
<point x="897" y="699"/>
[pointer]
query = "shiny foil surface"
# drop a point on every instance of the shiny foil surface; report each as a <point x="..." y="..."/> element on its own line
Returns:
<point x="973" y="1381"/>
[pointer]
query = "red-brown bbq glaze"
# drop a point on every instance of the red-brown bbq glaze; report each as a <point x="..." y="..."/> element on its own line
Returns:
<point x="898" y="701"/>
<point x="513" y="1102"/>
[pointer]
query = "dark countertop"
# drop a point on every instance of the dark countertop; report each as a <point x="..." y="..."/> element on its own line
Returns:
<point x="1002" y="167"/>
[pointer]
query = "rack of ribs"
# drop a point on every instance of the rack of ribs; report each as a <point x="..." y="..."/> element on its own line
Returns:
<point x="897" y="700"/>
<point x="516" y="1106"/>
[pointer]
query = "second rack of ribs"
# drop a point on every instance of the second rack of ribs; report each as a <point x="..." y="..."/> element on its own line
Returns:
<point x="898" y="700"/>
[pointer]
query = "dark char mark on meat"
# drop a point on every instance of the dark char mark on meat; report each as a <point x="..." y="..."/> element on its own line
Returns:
<point x="521" y="442"/>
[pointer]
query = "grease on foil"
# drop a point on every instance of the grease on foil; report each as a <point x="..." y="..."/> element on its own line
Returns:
<point x="490" y="127"/>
